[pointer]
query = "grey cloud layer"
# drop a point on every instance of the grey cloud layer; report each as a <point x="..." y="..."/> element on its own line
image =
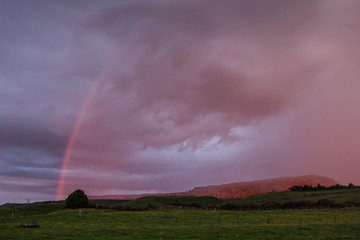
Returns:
<point x="15" y="134"/>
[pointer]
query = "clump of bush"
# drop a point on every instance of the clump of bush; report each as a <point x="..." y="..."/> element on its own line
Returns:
<point x="229" y="206"/>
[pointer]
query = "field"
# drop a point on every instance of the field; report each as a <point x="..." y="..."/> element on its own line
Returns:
<point x="57" y="222"/>
<point x="339" y="196"/>
<point x="184" y="224"/>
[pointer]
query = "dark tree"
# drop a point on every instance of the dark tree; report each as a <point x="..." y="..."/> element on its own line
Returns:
<point x="77" y="199"/>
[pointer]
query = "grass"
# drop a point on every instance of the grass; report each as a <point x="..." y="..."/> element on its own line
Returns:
<point x="56" y="222"/>
<point x="185" y="224"/>
<point x="32" y="209"/>
<point x="339" y="196"/>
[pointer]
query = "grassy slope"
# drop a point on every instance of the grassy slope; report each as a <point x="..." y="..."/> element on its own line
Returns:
<point x="339" y="196"/>
<point x="32" y="209"/>
<point x="56" y="222"/>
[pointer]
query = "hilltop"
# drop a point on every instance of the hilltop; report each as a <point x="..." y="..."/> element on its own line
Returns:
<point x="240" y="189"/>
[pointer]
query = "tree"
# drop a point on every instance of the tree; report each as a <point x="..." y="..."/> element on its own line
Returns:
<point x="77" y="199"/>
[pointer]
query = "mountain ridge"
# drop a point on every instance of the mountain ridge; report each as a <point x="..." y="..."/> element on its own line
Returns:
<point x="239" y="189"/>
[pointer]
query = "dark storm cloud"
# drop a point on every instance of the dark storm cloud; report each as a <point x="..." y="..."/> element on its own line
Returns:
<point x="21" y="134"/>
<point x="24" y="186"/>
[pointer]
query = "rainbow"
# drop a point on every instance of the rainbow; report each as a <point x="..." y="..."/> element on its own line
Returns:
<point x="71" y="142"/>
<point x="76" y="128"/>
<point x="102" y="77"/>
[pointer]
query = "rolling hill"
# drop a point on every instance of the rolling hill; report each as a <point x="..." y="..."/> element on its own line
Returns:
<point x="240" y="189"/>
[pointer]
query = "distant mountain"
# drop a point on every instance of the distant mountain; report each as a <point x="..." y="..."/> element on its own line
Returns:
<point x="240" y="189"/>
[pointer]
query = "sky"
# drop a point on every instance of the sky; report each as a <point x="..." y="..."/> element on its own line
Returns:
<point x="139" y="96"/>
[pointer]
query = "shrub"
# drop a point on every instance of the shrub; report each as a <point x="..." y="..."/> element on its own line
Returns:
<point x="298" y="204"/>
<point x="193" y="205"/>
<point x="324" y="203"/>
<point x="77" y="199"/>
<point x="229" y="206"/>
<point x="248" y="206"/>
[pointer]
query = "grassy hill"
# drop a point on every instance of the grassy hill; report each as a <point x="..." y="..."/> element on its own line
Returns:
<point x="31" y="209"/>
<point x="239" y="189"/>
<point x="336" y="198"/>
<point x="339" y="196"/>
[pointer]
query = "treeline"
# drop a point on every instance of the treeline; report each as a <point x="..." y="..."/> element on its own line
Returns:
<point x="299" y="188"/>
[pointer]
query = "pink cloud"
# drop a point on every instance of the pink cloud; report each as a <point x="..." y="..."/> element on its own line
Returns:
<point x="284" y="71"/>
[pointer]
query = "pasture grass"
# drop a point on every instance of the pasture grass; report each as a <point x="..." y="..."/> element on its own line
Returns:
<point x="184" y="224"/>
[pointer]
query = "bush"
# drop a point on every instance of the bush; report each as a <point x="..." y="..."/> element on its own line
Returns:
<point x="193" y="205"/>
<point x="324" y="203"/>
<point x="298" y="204"/>
<point x="248" y="206"/>
<point x="77" y="199"/>
<point x="229" y="206"/>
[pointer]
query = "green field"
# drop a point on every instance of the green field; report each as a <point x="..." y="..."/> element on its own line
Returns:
<point x="184" y="224"/>
<point x="339" y="196"/>
<point x="57" y="222"/>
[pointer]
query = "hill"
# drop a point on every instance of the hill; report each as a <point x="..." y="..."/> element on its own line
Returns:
<point x="240" y="189"/>
<point x="340" y="198"/>
<point x="245" y="189"/>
